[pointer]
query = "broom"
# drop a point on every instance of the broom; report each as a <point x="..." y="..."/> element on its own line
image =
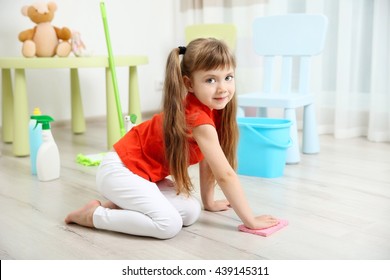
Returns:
<point x="95" y="159"/>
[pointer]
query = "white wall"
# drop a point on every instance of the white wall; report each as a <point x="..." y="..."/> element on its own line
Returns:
<point x="136" y="27"/>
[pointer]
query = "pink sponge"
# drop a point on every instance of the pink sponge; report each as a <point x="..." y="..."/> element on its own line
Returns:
<point x="265" y="231"/>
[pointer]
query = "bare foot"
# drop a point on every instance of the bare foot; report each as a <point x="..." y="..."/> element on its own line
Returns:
<point x="83" y="216"/>
<point x="110" y="205"/>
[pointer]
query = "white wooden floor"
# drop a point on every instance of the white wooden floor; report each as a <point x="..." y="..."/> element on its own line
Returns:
<point x="337" y="203"/>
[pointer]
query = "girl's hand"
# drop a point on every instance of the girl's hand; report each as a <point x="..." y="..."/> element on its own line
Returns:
<point x="261" y="222"/>
<point x="218" y="205"/>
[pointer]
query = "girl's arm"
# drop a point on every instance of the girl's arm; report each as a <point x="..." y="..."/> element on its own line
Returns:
<point x="207" y="138"/>
<point x="207" y="185"/>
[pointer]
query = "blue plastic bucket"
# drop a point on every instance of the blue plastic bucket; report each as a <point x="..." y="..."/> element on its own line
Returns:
<point x="262" y="146"/>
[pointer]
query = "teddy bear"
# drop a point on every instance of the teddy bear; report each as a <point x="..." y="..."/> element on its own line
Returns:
<point x="44" y="40"/>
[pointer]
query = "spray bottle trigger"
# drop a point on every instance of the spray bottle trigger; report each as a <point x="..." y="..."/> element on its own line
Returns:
<point x="133" y="118"/>
<point x="44" y="120"/>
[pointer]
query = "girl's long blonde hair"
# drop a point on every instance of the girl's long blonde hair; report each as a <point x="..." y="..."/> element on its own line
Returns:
<point x="200" y="54"/>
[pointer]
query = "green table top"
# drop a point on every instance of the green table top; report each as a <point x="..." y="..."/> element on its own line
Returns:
<point x="70" y="62"/>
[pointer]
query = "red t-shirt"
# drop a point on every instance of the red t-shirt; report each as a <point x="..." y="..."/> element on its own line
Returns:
<point x="142" y="148"/>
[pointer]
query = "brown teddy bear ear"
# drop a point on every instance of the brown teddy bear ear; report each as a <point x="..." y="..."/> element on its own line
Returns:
<point x="52" y="6"/>
<point x="25" y="11"/>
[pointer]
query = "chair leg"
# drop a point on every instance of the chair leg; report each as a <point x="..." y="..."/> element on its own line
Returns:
<point x="293" y="155"/>
<point x="113" y="127"/>
<point x="7" y="106"/>
<point x="20" y="145"/>
<point x="240" y="112"/>
<point x="78" y="120"/>
<point x="262" y="112"/>
<point x="134" y="98"/>
<point x="310" y="142"/>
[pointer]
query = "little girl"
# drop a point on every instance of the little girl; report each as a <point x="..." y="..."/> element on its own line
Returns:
<point x="197" y="125"/>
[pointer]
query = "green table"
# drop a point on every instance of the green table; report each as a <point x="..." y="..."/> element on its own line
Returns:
<point x="15" y="114"/>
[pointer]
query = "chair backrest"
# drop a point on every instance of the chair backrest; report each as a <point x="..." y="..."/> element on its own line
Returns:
<point x="291" y="34"/>
<point x="288" y="36"/>
<point x="222" y="31"/>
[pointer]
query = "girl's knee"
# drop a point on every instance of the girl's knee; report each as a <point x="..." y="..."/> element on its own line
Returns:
<point x="192" y="212"/>
<point x="170" y="226"/>
<point x="173" y="223"/>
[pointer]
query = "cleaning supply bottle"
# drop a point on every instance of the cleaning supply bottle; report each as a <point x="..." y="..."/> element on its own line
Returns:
<point x="48" y="157"/>
<point x="130" y="122"/>
<point x="35" y="139"/>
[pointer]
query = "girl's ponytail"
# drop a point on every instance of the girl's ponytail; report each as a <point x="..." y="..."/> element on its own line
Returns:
<point x="174" y="123"/>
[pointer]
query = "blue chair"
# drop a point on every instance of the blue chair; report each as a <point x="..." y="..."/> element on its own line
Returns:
<point x="288" y="39"/>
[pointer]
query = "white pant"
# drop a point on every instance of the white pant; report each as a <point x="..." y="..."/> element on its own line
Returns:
<point x="148" y="209"/>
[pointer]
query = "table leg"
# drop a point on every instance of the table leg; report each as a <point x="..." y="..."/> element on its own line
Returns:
<point x="21" y="116"/>
<point x="7" y="107"/>
<point x="134" y="99"/>
<point x="113" y="129"/>
<point x="78" y="120"/>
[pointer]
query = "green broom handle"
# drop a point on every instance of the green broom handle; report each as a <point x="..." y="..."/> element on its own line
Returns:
<point x="112" y="68"/>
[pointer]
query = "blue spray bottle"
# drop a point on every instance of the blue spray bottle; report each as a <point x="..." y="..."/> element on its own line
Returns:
<point x="35" y="139"/>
